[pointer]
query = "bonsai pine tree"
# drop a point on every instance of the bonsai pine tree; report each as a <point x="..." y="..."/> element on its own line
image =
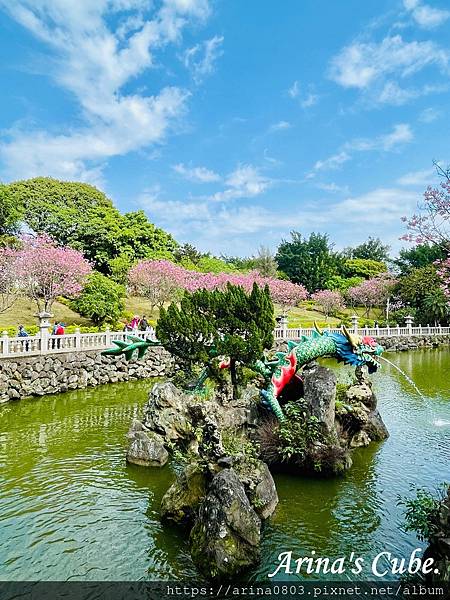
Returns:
<point x="226" y="322"/>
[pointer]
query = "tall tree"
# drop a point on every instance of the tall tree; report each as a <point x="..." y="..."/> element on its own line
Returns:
<point x="372" y="249"/>
<point x="46" y="271"/>
<point x="431" y="223"/>
<point x="418" y="256"/>
<point x="309" y="261"/>
<point x="11" y="213"/>
<point x="82" y="217"/>
<point x="265" y="262"/>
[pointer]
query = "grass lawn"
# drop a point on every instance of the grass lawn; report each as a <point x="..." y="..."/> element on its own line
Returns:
<point x="23" y="312"/>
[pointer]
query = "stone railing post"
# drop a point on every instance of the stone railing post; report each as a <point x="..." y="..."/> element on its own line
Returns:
<point x="354" y="319"/>
<point x="409" y="321"/>
<point x="44" y="324"/>
<point x="108" y="337"/>
<point x="283" y="326"/>
<point x="5" y="343"/>
<point x="77" y="339"/>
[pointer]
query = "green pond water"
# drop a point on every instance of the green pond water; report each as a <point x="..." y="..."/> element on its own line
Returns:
<point x="70" y="507"/>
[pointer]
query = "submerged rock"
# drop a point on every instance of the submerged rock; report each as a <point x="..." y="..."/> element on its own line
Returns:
<point x="181" y="501"/>
<point x="225" y="539"/>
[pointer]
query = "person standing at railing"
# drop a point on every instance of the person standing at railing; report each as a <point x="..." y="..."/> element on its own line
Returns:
<point x="22" y="332"/>
<point x="59" y="331"/>
<point x="143" y="324"/>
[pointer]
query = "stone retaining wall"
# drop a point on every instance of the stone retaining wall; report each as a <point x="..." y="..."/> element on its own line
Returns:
<point x="413" y="342"/>
<point x="40" y="375"/>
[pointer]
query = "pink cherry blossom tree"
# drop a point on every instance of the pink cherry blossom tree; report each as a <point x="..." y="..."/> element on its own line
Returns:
<point x="431" y="224"/>
<point x="443" y="270"/>
<point x="371" y="292"/>
<point x="329" y="301"/>
<point x="9" y="284"/>
<point x="161" y="280"/>
<point x="45" y="271"/>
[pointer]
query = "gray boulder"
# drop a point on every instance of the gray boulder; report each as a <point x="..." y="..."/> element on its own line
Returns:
<point x="181" y="501"/>
<point x="320" y="394"/>
<point x="166" y="411"/>
<point x="225" y="539"/>
<point x="258" y="484"/>
<point x="146" y="447"/>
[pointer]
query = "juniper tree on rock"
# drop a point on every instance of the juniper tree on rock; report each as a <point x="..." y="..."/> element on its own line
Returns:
<point x="227" y="322"/>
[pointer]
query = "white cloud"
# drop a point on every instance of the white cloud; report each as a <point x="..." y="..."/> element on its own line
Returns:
<point x="196" y="174"/>
<point x="230" y="226"/>
<point x="418" y="178"/>
<point x="424" y="15"/>
<point x="201" y="58"/>
<point x="333" y="162"/>
<point x="400" y="134"/>
<point x="309" y="100"/>
<point x="280" y="126"/>
<point x="306" y="99"/>
<point x="244" y="182"/>
<point x="333" y="187"/>
<point x="428" y="115"/>
<point x="294" y="90"/>
<point x="94" y="61"/>
<point x="363" y="64"/>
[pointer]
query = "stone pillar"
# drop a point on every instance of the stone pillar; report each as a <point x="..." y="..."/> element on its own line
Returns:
<point x="77" y="339"/>
<point x="44" y="324"/>
<point x="283" y="326"/>
<point x="409" y="321"/>
<point x="354" y="319"/>
<point x="5" y="343"/>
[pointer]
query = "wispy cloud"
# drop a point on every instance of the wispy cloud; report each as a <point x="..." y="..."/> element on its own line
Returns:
<point x="279" y="126"/>
<point x="425" y="15"/>
<point x="201" y="58"/>
<point x="333" y="162"/>
<point x="420" y="178"/>
<point x="196" y="174"/>
<point x="400" y="134"/>
<point x="94" y="61"/>
<point x="428" y="115"/>
<point x="375" y="68"/>
<point x="307" y="98"/>
<point x="244" y="182"/>
<point x="362" y="63"/>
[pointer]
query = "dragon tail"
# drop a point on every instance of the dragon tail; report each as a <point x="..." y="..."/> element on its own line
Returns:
<point x="271" y="402"/>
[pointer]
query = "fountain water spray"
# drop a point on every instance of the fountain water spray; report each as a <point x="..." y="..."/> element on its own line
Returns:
<point x="408" y="379"/>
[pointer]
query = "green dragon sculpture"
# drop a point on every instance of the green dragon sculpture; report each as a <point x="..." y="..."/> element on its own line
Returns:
<point x="345" y="347"/>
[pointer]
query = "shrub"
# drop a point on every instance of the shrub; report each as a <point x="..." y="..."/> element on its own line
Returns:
<point x="102" y="300"/>
<point x="421" y="512"/>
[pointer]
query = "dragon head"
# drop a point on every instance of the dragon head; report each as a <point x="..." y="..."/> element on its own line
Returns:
<point x="356" y="350"/>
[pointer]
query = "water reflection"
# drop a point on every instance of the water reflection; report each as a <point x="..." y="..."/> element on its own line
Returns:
<point x="70" y="507"/>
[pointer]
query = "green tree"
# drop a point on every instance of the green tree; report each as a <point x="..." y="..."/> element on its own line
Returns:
<point x="11" y="213"/>
<point x="419" y="256"/>
<point x="343" y="283"/>
<point x="101" y="300"/>
<point x="226" y="322"/>
<point x="363" y="267"/>
<point x="265" y="262"/>
<point x="81" y="216"/>
<point x="421" y="289"/>
<point x="309" y="261"/>
<point x="372" y="249"/>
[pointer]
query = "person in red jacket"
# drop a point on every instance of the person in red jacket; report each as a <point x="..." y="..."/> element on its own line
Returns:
<point x="59" y="331"/>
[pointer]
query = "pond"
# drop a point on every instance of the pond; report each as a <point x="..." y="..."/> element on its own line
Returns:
<point x="70" y="507"/>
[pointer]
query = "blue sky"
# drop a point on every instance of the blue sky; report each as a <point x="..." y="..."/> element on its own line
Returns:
<point x="232" y="122"/>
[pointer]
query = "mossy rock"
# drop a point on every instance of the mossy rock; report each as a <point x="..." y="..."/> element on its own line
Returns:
<point x="181" y="501"/>
<point x="225" y="539"/>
